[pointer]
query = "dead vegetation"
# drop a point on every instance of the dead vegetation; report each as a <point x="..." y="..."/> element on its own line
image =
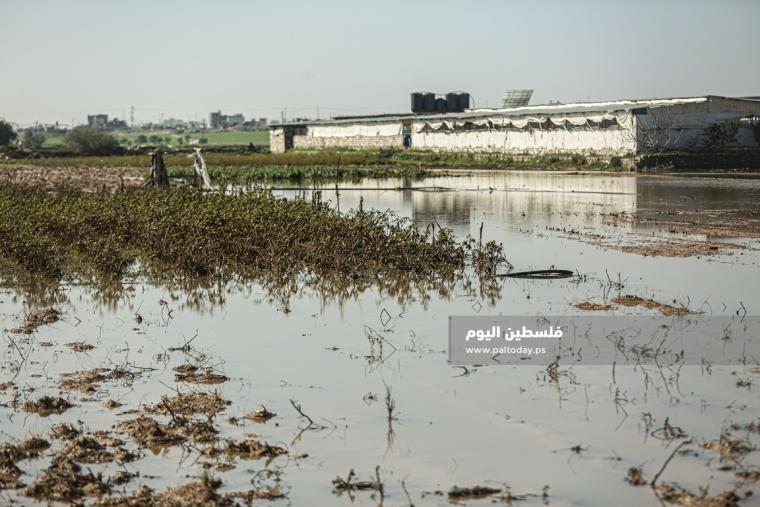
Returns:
<point x="88" y="381"/>
<point x="112" y="404"/>
<point x="37" y="319"/>
<point x="10" y="474"/>
<point x="249" y="449"/>
<point x="630" y="300"/>
<point x="189" y="404"/>
<point x="64" y="481"/>
<point x="351" y="483"/>
<point x="200" y="493"/>
<point x="10" y="454"/>
<point x="676" y="495"/>
<point x="195" y="375"/>
<point x="635" y="477"/>
<point x="260" y="415"/>
<point x="89" y="449"/>
<point x="593" y="307"/>
<point x="64" y="431"/>
<point x="150" y="433"/>
<point x="477" y="492"/>
<point x="728" y="446"/>
<point x="79" y="346"/>
<point x="651" y="304"/>
<point x="47" y="405"/>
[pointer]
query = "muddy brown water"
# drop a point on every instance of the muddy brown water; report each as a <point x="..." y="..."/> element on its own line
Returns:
<point x="495" y="426"/>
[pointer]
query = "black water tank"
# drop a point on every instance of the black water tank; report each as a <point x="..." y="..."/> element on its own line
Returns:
<point x="452" y="102"/>
<point x="428" y="102"/>
<point x="440" y="105"/>
<point x="418" y="102"/>
<point x="463" y="101"/>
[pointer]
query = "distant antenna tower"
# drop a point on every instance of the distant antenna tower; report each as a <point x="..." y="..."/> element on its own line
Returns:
<point x="132" y="116"/>
<point x="516" y="98"/>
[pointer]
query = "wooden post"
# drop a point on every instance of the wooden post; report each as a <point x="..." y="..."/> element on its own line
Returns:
<point x="158" y="175"/>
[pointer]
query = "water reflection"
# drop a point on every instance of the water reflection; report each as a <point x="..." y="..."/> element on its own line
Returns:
<point x="459" y="201"/>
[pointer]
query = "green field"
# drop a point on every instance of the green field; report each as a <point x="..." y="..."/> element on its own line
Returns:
<point x="231" y="138"/>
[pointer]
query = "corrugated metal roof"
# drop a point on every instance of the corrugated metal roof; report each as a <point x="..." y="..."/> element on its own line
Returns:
<point x="536" y="110"/>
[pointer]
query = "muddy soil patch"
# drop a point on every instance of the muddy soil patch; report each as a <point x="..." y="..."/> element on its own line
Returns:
<point x="680" y="248"/>
<point x="89" y="179"/>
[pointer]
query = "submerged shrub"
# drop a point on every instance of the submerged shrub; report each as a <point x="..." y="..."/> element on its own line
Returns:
<point x="255" y="235"/>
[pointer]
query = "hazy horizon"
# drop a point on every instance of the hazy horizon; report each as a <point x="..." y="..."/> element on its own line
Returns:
<point x="64" y="60"/>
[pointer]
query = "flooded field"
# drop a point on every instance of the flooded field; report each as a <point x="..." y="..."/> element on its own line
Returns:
<point x="324" y="389"/>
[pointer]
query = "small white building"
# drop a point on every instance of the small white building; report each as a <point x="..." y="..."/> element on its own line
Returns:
<point x="604" y="128"/>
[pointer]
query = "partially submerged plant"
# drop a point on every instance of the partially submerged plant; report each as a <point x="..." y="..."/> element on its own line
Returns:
<point x="186" y="236"/>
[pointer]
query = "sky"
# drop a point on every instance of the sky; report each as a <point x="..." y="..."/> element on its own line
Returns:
<point x="60" y="60"/>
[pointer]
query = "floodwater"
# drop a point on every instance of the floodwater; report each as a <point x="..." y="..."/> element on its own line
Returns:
<point x="498" y="425"/>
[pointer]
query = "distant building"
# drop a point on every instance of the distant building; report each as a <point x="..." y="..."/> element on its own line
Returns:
<point x="234" y="120"/>
<point x="613" y="128"/>
<point x="217" y="120"/>
<point x="97" y="121"/>
<point x="256" y="124"/>
<point x="117" y="124"/>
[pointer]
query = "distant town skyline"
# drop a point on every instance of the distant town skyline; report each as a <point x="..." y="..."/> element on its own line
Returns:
<point x="63" y="61"/>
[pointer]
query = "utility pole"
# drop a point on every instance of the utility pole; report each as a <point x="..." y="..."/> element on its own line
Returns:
<point x="132" y="116"/>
